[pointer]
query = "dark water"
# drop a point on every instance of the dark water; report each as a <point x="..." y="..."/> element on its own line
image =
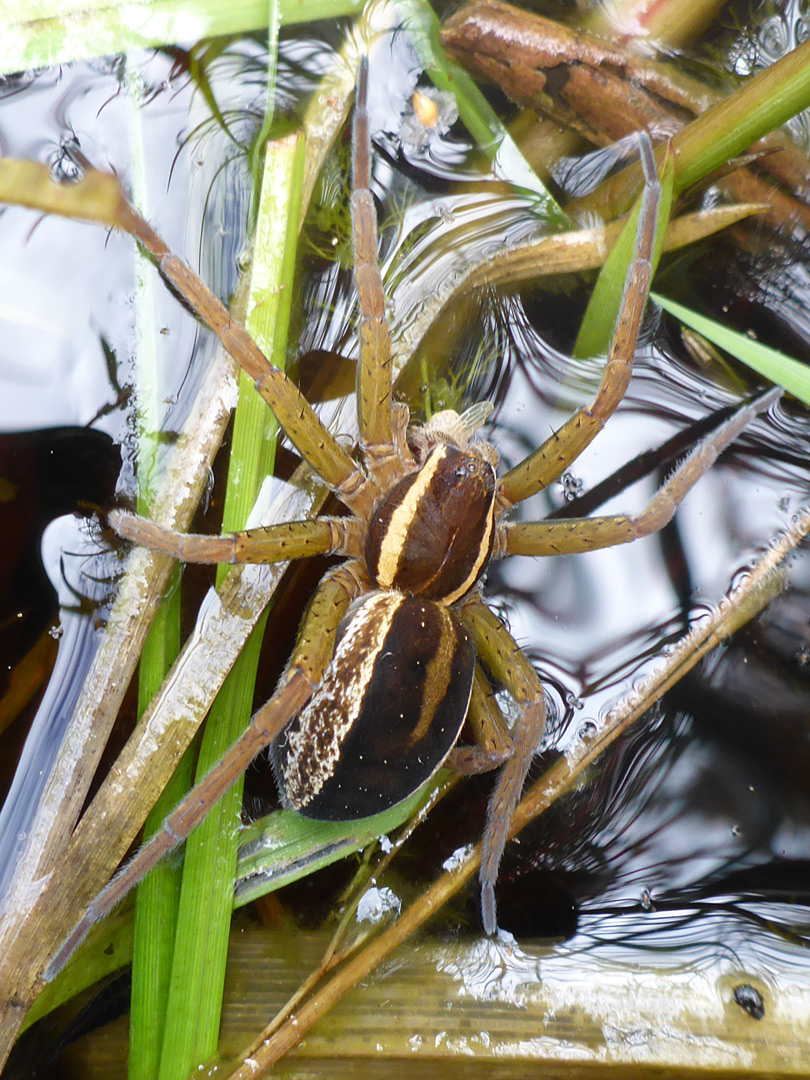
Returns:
<point x="691" y="837"/>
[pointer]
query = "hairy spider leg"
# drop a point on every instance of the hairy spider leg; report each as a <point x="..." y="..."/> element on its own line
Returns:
<point x="574" y="535"/>
<point x="544" y="465"/>
<point x="310" y="659"/>
<point x="374" y="371"/>
<point x="266" y="544"/>
<point x="503" y="657"/>
<point x="298" y="419"/>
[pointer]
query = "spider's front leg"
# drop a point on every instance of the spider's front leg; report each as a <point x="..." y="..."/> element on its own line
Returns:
<point x="553" y="457"/>
<point x="504" y="659"/>
<point x="265" y="544"/>
<point x="374" y="369"/>
<point x="382" y="423"/>
<point x="573" y="535"/>
<point x="311" y="657"/>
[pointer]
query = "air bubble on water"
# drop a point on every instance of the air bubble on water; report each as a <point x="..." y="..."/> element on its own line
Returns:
<point x="376" y="903"/>
<point x="571" y="486"/>
<point x="587" y="731"/>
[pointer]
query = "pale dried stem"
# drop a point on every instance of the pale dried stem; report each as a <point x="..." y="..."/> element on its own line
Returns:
<point x="24" y="952"/>
<point x="561" y="253"/>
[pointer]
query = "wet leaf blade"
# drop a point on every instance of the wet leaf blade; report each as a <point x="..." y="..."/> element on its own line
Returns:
<point x="96" y="197"/>
<point x="770" y="363"/>
<point x="285" y="847"/>
<point x="58" y="31"/>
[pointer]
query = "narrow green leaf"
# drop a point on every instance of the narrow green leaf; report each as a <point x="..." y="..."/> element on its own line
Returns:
<point x="158" y="895"/>
<point x="762" y="104"/>
<point x="770" y="363"/>
<point x="207" y="894"/>
<point x="284" y="847"/>
<point x="259" y="142"/>
<point x="52" y="32"/>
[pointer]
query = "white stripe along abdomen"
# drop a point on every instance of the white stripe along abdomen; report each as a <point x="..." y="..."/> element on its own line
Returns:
<point x="388" y="712"/>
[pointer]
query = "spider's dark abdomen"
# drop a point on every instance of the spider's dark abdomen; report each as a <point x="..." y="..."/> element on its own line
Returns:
<point x="432" y="536"/>
<point x="387" y="713"/>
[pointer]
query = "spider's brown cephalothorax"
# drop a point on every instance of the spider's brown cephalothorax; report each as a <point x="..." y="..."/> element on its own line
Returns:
<point x="385" y="717"/>
<point x="432" y="536"/>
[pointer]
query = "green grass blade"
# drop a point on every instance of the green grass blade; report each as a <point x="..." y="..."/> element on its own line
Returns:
<point x="762" y="104"/>
<point x="52" y="32"/>
<point x="157" y="896"/>
<point x="207" y="895"/>
<point x="259" y="142"/>
<point x="603" y="307"/>
<point x="770" y="363"/>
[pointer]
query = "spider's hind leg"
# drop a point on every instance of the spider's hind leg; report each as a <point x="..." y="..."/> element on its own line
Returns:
<point x="313" y="651"/>
<point x="493" y="743"/>
<point x="503" y="657"/>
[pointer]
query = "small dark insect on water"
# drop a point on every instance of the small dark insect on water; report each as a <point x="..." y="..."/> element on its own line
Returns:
<point x="397" y="646"/>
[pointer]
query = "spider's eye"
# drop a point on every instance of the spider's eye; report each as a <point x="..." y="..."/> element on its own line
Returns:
<point x="469" y="466"/>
